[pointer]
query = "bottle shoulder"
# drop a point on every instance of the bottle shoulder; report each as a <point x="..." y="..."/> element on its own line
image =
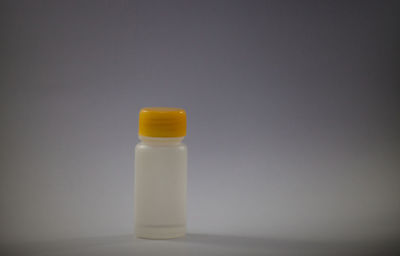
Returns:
<point x="146" y="147"/>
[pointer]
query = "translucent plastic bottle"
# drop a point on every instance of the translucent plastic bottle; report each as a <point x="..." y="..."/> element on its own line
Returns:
<point x="161" y="174"/>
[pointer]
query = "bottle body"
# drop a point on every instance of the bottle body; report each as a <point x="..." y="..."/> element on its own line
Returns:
<point x="160" y="188"/>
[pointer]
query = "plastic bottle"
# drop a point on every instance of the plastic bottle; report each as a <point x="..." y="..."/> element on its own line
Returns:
<point x="161" y="174"/>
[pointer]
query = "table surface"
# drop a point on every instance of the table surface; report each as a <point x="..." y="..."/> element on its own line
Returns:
<point x="197" y="244"/>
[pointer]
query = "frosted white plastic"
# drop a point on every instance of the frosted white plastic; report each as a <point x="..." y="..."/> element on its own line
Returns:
<point x="160" y="188"/>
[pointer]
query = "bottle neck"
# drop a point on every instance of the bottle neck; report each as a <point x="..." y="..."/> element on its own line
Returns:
<point x="161" y="141"/>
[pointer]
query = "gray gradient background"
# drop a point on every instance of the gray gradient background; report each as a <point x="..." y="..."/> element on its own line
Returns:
<point x="293" y="119"/>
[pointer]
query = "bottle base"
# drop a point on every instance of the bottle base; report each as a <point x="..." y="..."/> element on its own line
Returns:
<point x="160" y="232"/>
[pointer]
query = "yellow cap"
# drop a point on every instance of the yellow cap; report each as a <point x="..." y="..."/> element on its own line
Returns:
<point x="162" y="122"/>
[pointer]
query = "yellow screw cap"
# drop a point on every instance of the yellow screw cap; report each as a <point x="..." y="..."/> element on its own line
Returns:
<point x="162" y="122"/>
